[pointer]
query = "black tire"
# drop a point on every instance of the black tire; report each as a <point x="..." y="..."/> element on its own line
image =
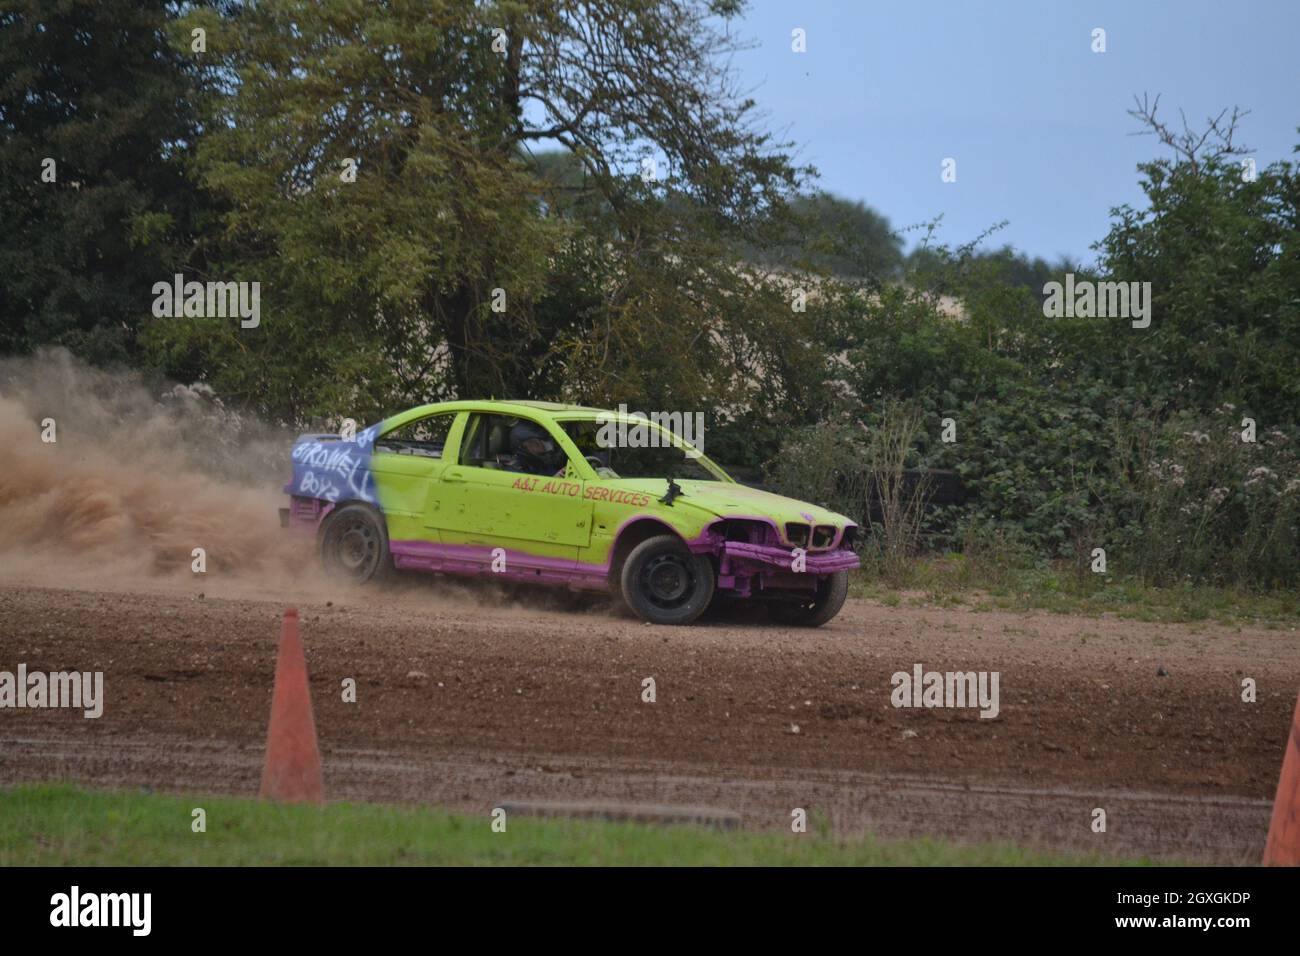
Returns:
<point x="817" y="610"/>
<point x="354" y="545"/>
<point x="664" y="583"/>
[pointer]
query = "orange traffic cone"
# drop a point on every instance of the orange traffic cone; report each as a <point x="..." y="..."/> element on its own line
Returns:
<point x="292" y="773"/>
<point x="1283" y="846"/>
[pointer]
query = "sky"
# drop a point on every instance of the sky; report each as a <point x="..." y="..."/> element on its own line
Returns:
<point x="1036" y="121"/>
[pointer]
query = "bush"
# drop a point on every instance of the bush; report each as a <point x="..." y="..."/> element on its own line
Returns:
<point x="1198" y="502"/>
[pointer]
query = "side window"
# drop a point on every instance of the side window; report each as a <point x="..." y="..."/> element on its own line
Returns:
<point x="487" y="441"/>
<point x="425" y="437"/>
<point x="511" y="444"/>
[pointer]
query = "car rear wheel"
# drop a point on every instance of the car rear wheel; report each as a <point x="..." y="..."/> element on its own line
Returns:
<point x="354" y="545"/>
<point x="664" y="583"/>
<point x="819" y="608"/>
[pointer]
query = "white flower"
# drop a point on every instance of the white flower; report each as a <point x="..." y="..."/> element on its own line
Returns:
<point x="1258" y="476"/>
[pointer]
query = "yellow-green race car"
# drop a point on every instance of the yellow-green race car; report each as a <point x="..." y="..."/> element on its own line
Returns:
<point x="568" y="496"/>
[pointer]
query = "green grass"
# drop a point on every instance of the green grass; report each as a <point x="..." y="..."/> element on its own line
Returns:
<point x="983" y="584"/>
<point x="57" y="824"/>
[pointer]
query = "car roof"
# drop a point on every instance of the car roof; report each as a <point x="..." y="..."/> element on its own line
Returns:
<point x="505" y="405"/>
<point x="549" y="406"/>
<point x="558" y="411"/>
<point x="561" y="412"/>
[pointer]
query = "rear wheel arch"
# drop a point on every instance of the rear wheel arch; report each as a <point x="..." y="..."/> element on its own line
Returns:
<point x="355" y="502"/>
<point x="334" y="507"/>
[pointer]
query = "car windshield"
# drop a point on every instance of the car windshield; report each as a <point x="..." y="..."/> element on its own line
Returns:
<point x="659" y="460"/>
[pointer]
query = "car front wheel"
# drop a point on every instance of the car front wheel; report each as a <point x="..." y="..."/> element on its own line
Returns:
<point x="664" y="583"/>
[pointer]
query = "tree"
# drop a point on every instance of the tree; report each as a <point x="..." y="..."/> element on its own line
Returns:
<point x="454" y="263"/>
<point x="1218" y="246"/>
<point x="844" y="237"/>
<point x="97" y="114"/>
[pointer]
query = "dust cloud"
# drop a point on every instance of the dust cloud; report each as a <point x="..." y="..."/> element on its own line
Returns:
<point x="136" y="479"/>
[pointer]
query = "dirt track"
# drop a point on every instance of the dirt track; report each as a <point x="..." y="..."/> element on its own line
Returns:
<point x="468" y="700"/>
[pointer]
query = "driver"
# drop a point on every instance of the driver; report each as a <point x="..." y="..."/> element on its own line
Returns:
<point x="533" y="450"/>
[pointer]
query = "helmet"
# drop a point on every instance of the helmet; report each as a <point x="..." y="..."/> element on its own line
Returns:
<point x="534" y="449"/>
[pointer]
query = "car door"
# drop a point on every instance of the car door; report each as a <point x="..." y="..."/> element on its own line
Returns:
<point x="407" y="463"/>
<point x="539" y="520"/>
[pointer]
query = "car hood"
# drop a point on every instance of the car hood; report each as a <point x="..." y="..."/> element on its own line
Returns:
<point x="729" y="500"/>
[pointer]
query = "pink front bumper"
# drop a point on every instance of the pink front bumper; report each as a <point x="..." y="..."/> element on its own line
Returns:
<point x="744" y="568"/>
<point x="769" y="556"/>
